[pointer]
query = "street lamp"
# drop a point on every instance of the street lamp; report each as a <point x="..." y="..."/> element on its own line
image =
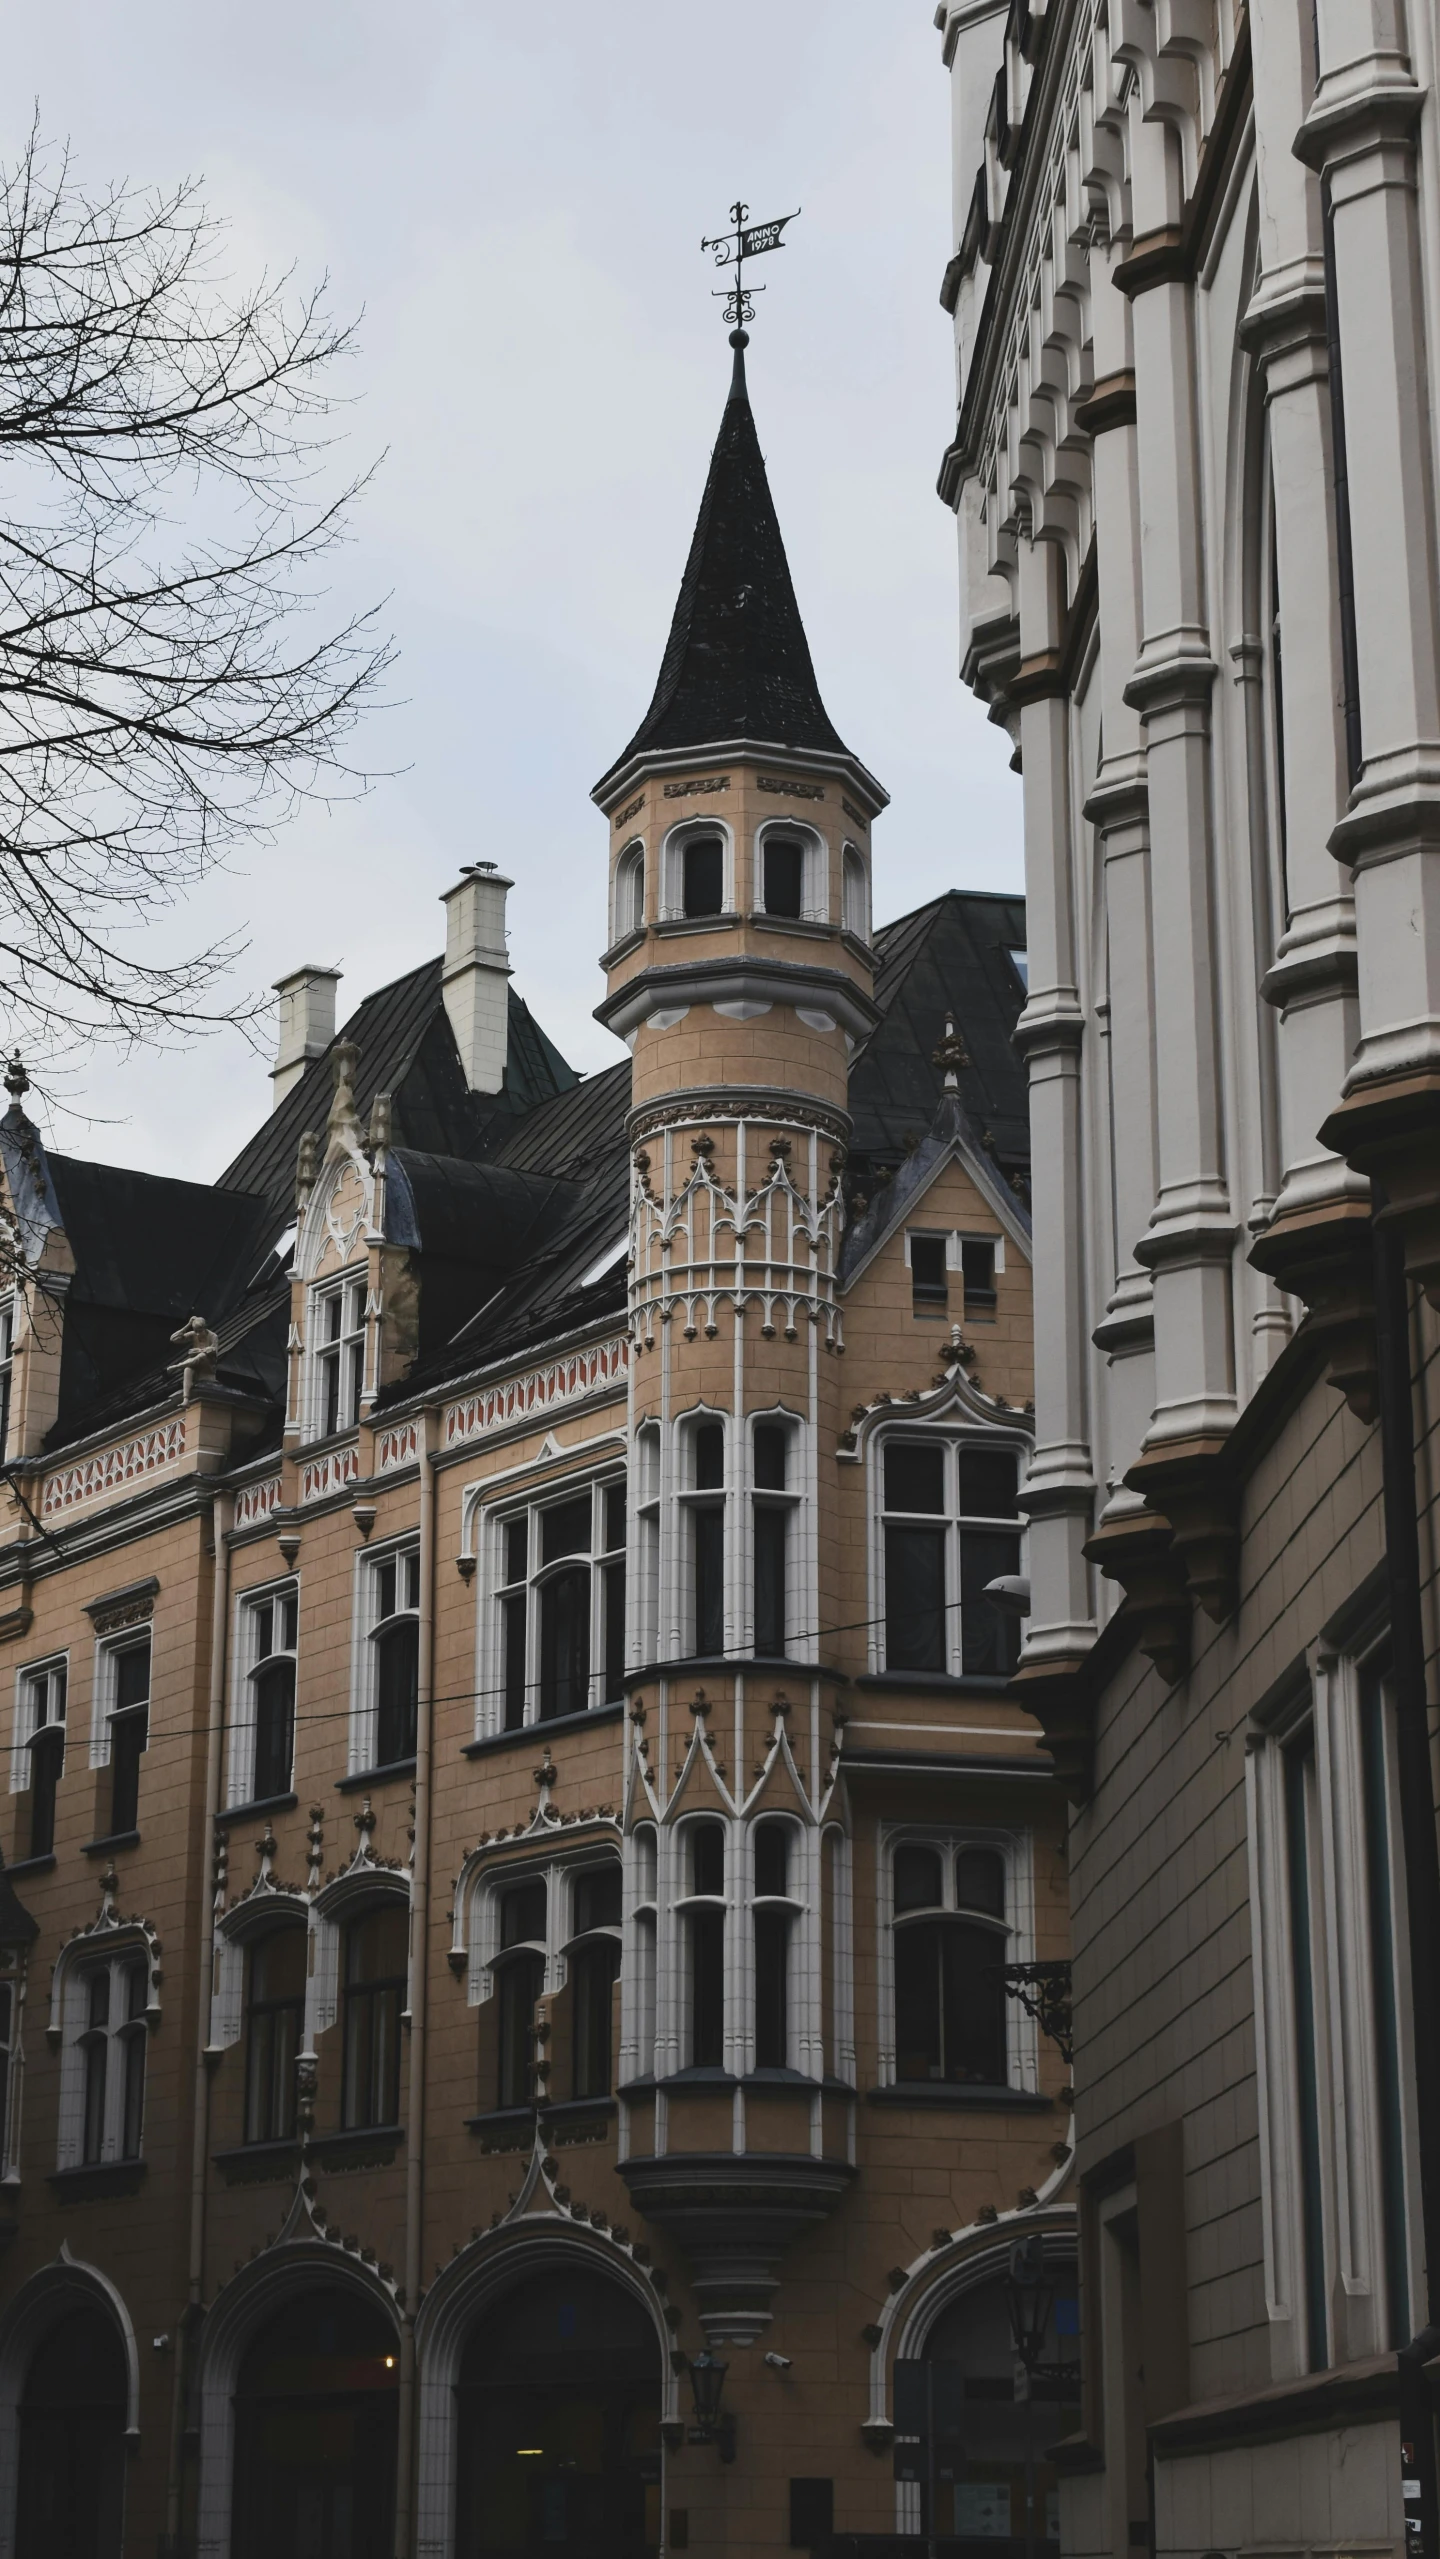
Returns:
<point x="707" y="2384"/>
<point x="1029" y="2297"/>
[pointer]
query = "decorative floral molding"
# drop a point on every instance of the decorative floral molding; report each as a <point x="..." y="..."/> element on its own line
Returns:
<point x="397" y="1447"/>
<point x="257" y="1501"/>
<point x="330" y="1473"/>
<point x="537" y="1390"/>
<point x="111" y="1468"/>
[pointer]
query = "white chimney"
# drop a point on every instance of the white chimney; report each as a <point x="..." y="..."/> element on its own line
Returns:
<point x="476" y="981"/>
<point x="307" y="1024"/>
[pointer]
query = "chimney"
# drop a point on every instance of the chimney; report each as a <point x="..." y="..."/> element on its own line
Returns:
<point x="307" y="1024"/>
<point x="477" y="973"/>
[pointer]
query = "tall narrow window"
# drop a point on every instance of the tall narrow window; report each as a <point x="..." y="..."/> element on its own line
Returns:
<point x="854" y="895"/>
<point x="929" y="1280"/>
<point x="1299" y="1833"/>
<point x="593" y="1963"/>
<point x="374" y="2000"/>
<point x="515" y="1547"/>
<point x="989" y="1551"/>
<point x="274" y="2023"/>
<point x="1380" y="1885"/>
<point x="977" y="1264"/>
<point x="338" y="1314"/>
<point x="772" y="1531"/>
<point x="915" y="1542"/>
<point x="7" y="2057"/>
<point x="111" y="2056"/>
<point x="784" y="875"/>
<point x="7" y="1369"/>
<point x="705" y="1927"/>
<point x="642" y="1984"/>
<point x="270" y="1625"/>
<point x="519" y="1981"/>
<point x="395" y="1655"/>
<point x="703" y="876"/>
<point x="129" y="1671"/>
<point x="564" y="1593"/>
<point x="707" y="1529"/>
<point x="774" y="1918"/>
<point x="630" y="891"/>
<point x="949" y="1938"/>
<point x="42" y="1715"/>
<point x="612" y="1591"/>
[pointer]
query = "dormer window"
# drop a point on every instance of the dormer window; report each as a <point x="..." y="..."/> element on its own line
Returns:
<point x="702" y="876"/>
<point x="337" y="1318"/>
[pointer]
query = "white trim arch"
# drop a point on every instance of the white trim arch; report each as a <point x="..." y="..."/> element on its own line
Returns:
<point x="627" y="910"/>
<point x="266" y="1908"/>
<point x="246" y="2302"/>
<point x="359" y="1889"/>
<point x="41" y="2303"/>
<point x="670" y="907"/>
<point x="815" y="873"/>
<point x="938" y="2276"/>
<point x="490" y="2267"/>
<point x="855" y="891"/>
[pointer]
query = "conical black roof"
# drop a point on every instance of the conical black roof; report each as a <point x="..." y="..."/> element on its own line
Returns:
<point x="737" y="662"/>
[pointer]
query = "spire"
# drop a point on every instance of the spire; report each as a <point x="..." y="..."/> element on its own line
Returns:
<point x="737" y="662"/>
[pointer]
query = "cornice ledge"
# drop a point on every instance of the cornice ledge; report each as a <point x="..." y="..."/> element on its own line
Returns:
<point x="1310" y="972"/>
<point x="746" y="977"/>
<point x="1174" y="672"/>
<point x="1119" y="799"/>
<point x="1391" y="815"/>
<point x="1110" y="402"/>
<point x="1192" y="1233"/>
<point x="1190" y="1484"/>
<point x="1286" y="313"/>
<point x="1374" y="100"/>
<point x="1050" y="1021"/>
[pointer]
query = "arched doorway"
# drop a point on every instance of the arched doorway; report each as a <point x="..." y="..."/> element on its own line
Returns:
<point x="559" y="2408"/>
<point x="972" y="2429"/>
<point x="315" y="2410"/>
<point x="71" y="2500"/>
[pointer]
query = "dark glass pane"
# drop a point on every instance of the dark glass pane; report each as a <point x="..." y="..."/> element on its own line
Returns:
<point x="709" y="1533"/>
<point x="772" y="2020"/>
<point x="397" y="1691"/>
<point x="1299" y="1779"/>
<point x="987" y="1483"/>
<point x="784" y="875"/>
<point x="133" y="2111"/>
<point x="517" y="1533"/>
<point x="513" y="1616"/>
<point x="594" y="1974"/>
<point x="704" y="859"/>
<point x="914" y="1476"/>
<point x="522" y="1914"/>
<point x="770" y="1452"/>
<point x="613" y="1633"/>
<point x="614" y="1517"/>
<point x="917" y="1879"/>
<point x="772" y="1857"/>
<point x="132" y="1678"/>
<point x="597" y="1898"/>
<point x="375" y="1968"/>
<point x="272" y="2041"/>
<point x="707" y="1857"/>
<point x="710" y="1457"/>
<point x="989" y="1636"/>
<point x="974" y="2006"/>
<point x="980" y="1880"/>
<point x="385" y="1589"/>
<point x="521" y="1984"/>
<point x="274" y="1728"/>
<point x="128" y="1734"/>
<point x="47" y="1758"/>
<point x="97" y="2054"/>
<point x="277" y="1966"/>
<point x="915" y="1599"/>
<point x="918" y="2045"/>
<point x="928" y="1283"/>
<point x="707" y="1988"/>
<point x="977" y="1261"/>
<point x="565" y="1530"/>
<point x="376" y="1947"/>
<point x="771" y="1533"/>
<point x="565" y="1644"/>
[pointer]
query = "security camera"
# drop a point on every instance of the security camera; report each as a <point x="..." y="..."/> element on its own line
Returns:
<point x="778" y="2363"/>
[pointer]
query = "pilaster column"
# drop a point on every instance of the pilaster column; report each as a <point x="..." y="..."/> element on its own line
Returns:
<point x="1060" y="1494"/>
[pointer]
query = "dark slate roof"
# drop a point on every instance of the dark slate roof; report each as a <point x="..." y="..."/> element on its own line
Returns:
<point x="737" y="662"/>
<point x="948" y="957"/>
<point x="407" y="1049"/>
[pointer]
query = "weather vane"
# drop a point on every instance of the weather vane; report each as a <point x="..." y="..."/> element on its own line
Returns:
<point x="732" y="248"/>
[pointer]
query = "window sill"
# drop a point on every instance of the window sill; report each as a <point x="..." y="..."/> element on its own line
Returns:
<point x="261" y="1804"/>
<point x="815" y="927"/>
<point x="32" y="1865"/>
<point x="704" y="2078"/>
<point x="257" y="2162"/>
<point x="113" y="2177"/>
<point x="622" y="949"/>
<point x="925" y="2092"/>
<point x="723" y="923"/>
<point x="969" y="1683"/>
<point x="371" y="2146"/>
<point x="112" y="1839"/>
<point x="690" y="1664"/>
<point x="529" y="1734"/>
<point x="520" y="2120"/>
<point x="375" y="1776"/>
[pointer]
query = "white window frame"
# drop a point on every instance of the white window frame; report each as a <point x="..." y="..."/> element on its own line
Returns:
<point x="815" y="870"/>
<point x="108" y="1649"/>
<point x="118" y="1960"/>
<point x="1325" y="1710"/>
<point x="53" y="1668"/>
<point x="672" y="871"/>
<point x="954" y="1437"/>
<point x="494" y="1521"/>
<point x="792" y="1498"/>
<point x="245" y="1662"/>
<point x="349" y="1286"/>
<point x="672" y="1898"/>
<point x="625" y="916"/>
<point x="855" y="892"/>
<point x="12" y="2046"/>
<point x="9" y="1307"/>
<point x="1017" y="1936"/>
<point x="365" y="1684"/>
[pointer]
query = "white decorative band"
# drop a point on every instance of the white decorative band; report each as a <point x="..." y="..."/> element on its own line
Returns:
<point x="111" y="1468"/>
<point x="257" y="1501"/>
<point x="330" y="1473"/>
<point x="560" y="1382"/>
<point x="397" y="1447"/>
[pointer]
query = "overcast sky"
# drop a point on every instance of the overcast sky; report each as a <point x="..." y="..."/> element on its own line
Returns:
<point x="515" y="193"/>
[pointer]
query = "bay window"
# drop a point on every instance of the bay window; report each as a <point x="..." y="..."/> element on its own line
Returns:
<point x="775" y="1911"/>
<point x="703" y="1917"/>
<point x="773" y="1500"/>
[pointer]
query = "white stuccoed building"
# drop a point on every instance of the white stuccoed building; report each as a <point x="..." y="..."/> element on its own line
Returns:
<point x="1199" y="589"/>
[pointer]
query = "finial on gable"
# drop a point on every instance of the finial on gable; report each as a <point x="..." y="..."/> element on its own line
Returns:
<point x="952" y="1054"/>
<point x="17" y="1082"/>
<point x="342" y="1108"/>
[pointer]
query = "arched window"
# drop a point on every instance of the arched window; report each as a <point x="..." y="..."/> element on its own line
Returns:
<point x="703" y="1499"/>
<point x="775" y="1909"/>
<point x="950" y="1934"/>
<point x="703" y="1909"/>
<point x="519" y="1971"/>
<point x="854" y="894"/>
<point x="265" y="1722"/>
<point x="643" y="1983"/>
<point x="315" y="2416"/>
<point x="72" y="2442"/>
<point x="593" y="1968"/>
<point x="274" y="2025"/>
<point x="702" y="876"/>
<point x="774" y="1498"/>
<point x="629" y="891"/>
<point x="559" y="2422"/>
<point x="373" y="1998"/>
<point x="783" y="880"/>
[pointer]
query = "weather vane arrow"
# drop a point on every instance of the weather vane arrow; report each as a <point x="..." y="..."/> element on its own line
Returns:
<point x="732" y="248"/>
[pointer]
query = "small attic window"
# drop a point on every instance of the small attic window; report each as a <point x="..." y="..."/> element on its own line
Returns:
<point x="977" y="1262"/>
<point x="612" y="1254"/>
<point x="1020" y="962"/>
<point x="928" y="1283"/>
